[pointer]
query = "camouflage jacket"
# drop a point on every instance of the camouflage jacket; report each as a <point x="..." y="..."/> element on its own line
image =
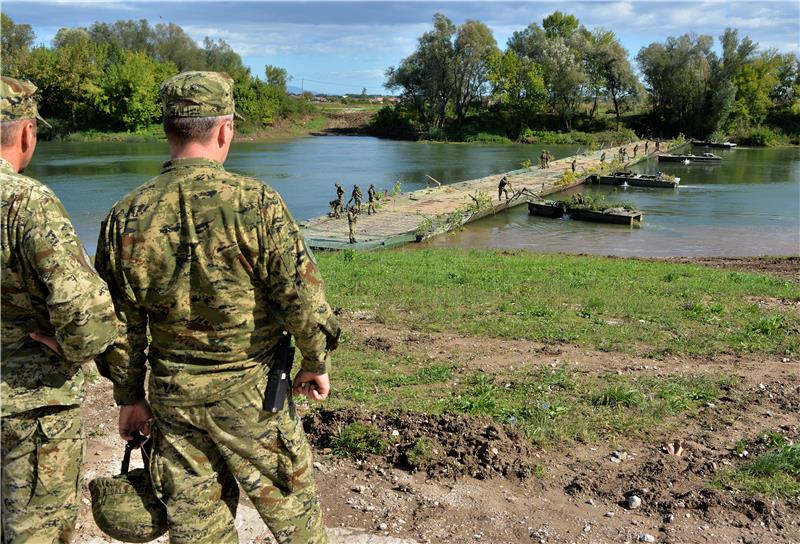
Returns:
<point x="48" y="286"/>
<point x="213" y="264"/>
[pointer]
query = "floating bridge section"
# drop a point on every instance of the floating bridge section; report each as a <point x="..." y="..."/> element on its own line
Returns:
<point x="419" y="215"/>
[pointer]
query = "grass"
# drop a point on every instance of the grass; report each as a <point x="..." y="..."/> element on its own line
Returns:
<point x="357" y="439"/>
<point x="549" y="404"/>
<point x="775" y="472"/>
<point x="649" y="308"/>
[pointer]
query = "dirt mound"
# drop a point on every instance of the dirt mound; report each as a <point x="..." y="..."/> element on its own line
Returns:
<point x="444" y="446"/>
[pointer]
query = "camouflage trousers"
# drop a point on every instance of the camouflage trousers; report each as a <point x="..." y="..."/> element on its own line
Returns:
<point x="42" y="451"/>
<point x="199" y="450"/>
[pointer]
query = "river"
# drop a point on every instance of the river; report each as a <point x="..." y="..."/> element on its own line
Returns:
<point x="748" y="205"/>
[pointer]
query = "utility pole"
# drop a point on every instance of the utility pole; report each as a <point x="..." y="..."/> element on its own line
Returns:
<point x="302" y="91"/>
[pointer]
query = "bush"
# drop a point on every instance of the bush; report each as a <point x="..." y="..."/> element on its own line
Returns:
<point x="759" y="136"/>
<point x="423" y="454"/>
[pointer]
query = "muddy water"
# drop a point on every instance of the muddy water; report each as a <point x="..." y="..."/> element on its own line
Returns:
<point x="748" y="205"/>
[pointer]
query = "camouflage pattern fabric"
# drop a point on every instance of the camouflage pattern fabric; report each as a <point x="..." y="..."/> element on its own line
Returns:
<point x="48" y="286"/>
<point x="198" y="94"/>
<point x="371" y="195"/>
<point x="199" y="450"/>
<point x="41" y="478"/>
<point x="17" y="100"/>
<point x="351" y="225"/>
<point x="214" y="264"/>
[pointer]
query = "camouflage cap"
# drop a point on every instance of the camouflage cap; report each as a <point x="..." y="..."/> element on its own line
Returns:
<point x="17" y="101"/>
<point x="198" y="94"/>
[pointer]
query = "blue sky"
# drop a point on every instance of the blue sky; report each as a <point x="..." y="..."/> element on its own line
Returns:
<point x="340" y="47"/>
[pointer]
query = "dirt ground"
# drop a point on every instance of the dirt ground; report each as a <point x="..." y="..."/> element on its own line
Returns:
<point x="483" y="491"/>
<point x="787" y="267"/>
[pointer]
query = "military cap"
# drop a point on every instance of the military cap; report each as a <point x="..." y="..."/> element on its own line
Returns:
<point x="17" y="101"/>
<point x="198" y="94"/>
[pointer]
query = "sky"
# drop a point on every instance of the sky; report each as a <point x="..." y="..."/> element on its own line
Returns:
<point x="342" y="47"/>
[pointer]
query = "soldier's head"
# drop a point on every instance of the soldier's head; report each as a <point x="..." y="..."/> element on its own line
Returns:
<point x="18" y="115"/>
<point x="198" y="113"/>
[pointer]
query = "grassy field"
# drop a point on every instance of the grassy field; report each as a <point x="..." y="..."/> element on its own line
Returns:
<point x="647" y="308"/>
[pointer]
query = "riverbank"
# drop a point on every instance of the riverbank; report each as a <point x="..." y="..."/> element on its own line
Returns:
<point x="539" y="393"/>
<point x="323" y="122"/>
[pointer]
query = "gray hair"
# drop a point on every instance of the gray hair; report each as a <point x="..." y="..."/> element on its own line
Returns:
<point x="192" y="129"/>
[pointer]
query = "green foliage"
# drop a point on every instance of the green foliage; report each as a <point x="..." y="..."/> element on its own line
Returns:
<point x="775" y="472"/>
<point x="594" y="203"/>
<point x="107" y="77"/>
<point x="618" y="395"/>
<point x="358" y="439"/>
<point x="424" y="453"/>
<point x="128" y="91"/>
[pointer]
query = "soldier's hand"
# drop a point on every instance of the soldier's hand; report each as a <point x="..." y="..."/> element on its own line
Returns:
<point x="47" y="340"/>
<point x="313" y="386"/>
<point x="135" y="417"/>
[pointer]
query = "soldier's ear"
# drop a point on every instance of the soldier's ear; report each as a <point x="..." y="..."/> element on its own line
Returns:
<point x="27" y="140"/>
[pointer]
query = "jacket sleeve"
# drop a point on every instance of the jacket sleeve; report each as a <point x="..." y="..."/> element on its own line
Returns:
<point x="124" y="362"/>
<point x="78" y="301"/>
<point x="295" y="286"/>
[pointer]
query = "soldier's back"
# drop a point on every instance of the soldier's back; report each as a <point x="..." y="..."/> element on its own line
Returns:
<point x="189" y="243"/>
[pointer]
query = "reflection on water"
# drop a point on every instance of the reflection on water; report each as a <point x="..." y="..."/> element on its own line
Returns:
<point x="748" y="205"/>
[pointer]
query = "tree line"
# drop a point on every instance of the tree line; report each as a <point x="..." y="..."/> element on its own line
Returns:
<point x="561" y="74"/>
<point x="107" y="76"/>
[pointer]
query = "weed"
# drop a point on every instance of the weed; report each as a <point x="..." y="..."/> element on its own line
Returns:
<point x="423" y="453"/>
<point x="775" y="473"/>
<point x="358" y="439"/>
<point x="618" y="395"/>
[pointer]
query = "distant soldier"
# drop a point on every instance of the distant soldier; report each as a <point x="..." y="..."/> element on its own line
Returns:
<point x="574" y="165"/>
<point x="622" y="154"/>
<point x="543" y="160"/>
<point x="547" y="158"/>
<point x="355" y="197"/>
<point x="334" y="204"/>
<point x="646" y="146"/>
<point x="372" y="196"/>
<point x="351" y="224"/>
<point x="635" y="150"/>
<point x="658" y="144"/>
<point x="503" y="187"/>
<point x="339" y="200"/>
<point x="56" y="314"/>
<point x="603" y="157"/>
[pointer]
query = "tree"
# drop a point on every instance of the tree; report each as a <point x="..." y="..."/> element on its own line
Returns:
<point x="559" y="24"/>
<point x="276" y="76"/>
<point x="563" y="78"/>
<point x="427" y="76"/>
<point x="172" y="44"/>
<point x="15" y="43"/>
<point x="517" y="84"/>
<point x="130" y="89"/>
<point x="474" y="45"/>
<point x="678" y="74"/>
<point x="620" y="82"/>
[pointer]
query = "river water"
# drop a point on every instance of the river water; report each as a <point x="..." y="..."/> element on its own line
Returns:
<point x="748" y="205"/>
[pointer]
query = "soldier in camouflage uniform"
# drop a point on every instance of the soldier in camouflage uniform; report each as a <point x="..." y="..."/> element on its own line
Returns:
<point x="214" y="265"/>
<point x="371" y="198"/>
<point x="356" y="197"/>
<point x="56" y="314"/>
<point x="339" y="207"/>
<point x="352" y="218"/>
